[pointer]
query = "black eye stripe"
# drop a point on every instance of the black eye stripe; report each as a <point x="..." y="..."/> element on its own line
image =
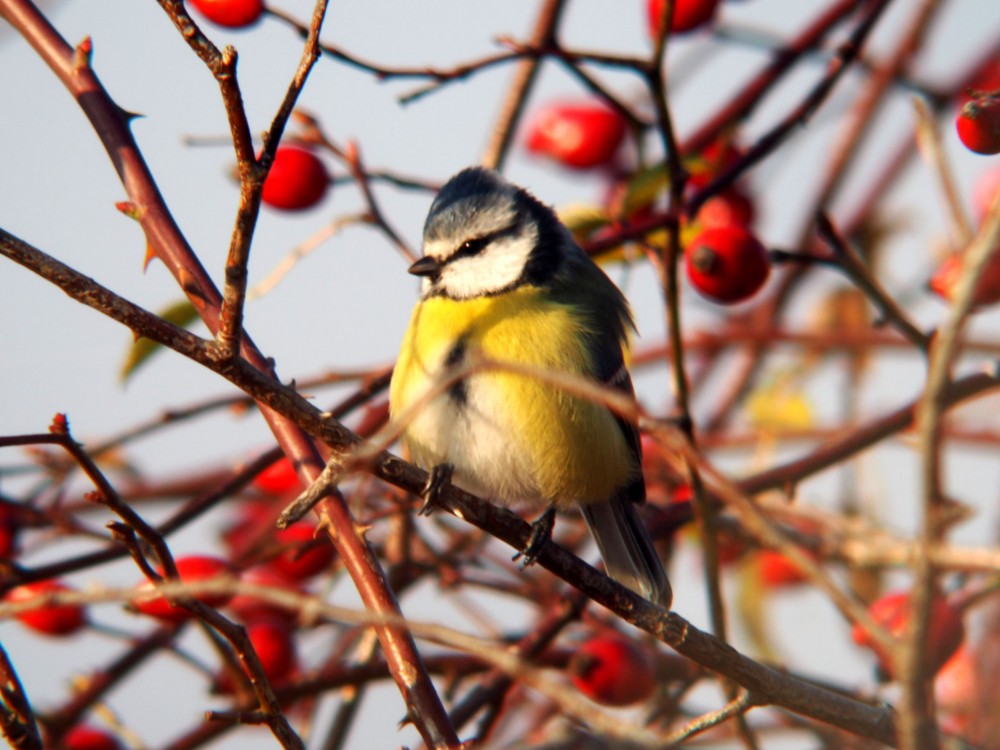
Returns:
<point x="472" y="247"/>
<point x="476" y="245"/>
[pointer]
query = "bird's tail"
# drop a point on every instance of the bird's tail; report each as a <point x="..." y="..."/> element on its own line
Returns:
<point x="628" y="552"/>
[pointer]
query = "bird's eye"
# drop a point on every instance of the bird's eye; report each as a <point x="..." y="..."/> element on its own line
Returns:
<point x="472" y="247"/>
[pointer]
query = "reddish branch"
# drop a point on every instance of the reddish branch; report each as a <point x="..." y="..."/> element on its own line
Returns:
<point x="766" y="685"/>
<point x="293" y="419"/>
<point x="524" y="79"/>
<point x="110" y="124"/>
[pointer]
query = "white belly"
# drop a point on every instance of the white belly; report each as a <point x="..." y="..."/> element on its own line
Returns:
<point x="476" y="437"/>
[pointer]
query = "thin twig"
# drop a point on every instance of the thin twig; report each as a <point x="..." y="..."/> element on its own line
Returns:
<point x="736" y="707"/>
<point x="767" y="685"/>
<point x="845" y="55"/>
<point x="929" y="142"/>
<point x="300" y="251"/>
<point x="855" y="268"/>
<point x="253" y="171"/>
<point x="512" y="107"/>
<point x="74" y="71"/>
<point x="917" y="720"/>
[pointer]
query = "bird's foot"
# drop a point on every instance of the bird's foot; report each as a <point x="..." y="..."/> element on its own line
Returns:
<point x="541" y="534"/>
<point x="437" y="480"/>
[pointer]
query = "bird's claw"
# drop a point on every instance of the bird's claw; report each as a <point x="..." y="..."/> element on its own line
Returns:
<point x="541" y="534"/>
<point x="438" y="478"/>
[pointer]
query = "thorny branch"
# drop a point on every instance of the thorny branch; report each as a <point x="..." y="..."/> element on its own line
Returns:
<point x="170" y="245"/>
<point x="767" y="685"/>
<point x="293" y="418"/>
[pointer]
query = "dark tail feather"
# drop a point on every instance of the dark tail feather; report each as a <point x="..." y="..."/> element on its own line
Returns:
<point x="628" y="552"/>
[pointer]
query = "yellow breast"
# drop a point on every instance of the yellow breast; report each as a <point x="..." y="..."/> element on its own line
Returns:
<point x="510" y="436"/>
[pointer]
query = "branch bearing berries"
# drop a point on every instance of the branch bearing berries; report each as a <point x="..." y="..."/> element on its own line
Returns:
<point x="978" y="125"/>
<point x="298" y="180"/>
<point x="234" y="14"/>
<point x="577" y="135"/>
<point x="726" y="264"/>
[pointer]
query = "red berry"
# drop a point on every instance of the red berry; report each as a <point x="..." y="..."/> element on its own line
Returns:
<point x="304" y="554"/>
<point x="189" y="569"/>
<point x="274" y="642"/>
<point x="986" y="79"/>
<point x="945" y="280"/>
<point x="298" y="179"/>
<point x="688" y="15"/>
<point x="82" y="737"/>
<point x="978" y="125"/>
<point x="776" y="570"/>
<point x="612" y="671"/>
<point x="729" y="207"/>
<point x="57" y="619"/>
<point x="253" y="527"/>
<point x="581" y="135"/>
<point x="727" y="264"/>
<point x="957" y="692"/>
<point x="235" y="14"/>
<point x="278" y="478"/>
<point x="248" y="607"/>
<point x="682" y="493"/>
<point x="892" y="612"/>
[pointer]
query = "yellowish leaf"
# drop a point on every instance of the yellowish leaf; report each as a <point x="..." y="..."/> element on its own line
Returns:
<point x="179" y="313"/>
<point x="780" y="406"/>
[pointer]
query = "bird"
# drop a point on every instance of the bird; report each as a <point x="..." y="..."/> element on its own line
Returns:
<point x="503" y="280"/>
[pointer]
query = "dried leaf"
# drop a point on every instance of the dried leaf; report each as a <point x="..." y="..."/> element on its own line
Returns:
<point x="179" y="313"/>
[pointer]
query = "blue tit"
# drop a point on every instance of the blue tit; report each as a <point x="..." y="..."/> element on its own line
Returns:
<point x="503" y="281"/>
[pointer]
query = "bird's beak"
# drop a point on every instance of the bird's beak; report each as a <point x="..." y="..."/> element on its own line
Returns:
<point x="426" y="266"/>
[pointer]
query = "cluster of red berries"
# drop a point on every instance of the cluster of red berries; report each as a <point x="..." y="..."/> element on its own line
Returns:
<point x="298" y="178"/>
<point x="256" y="553"/>
<point x="978" y="126"/>
<point x="724" y="261"/>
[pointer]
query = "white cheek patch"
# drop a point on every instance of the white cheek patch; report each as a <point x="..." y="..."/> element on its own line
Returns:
<point x="499" y="266"/>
